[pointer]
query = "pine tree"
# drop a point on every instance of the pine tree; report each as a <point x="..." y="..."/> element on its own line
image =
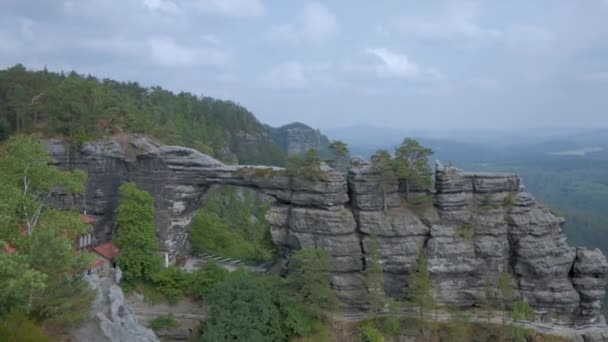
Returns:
<point x="382" y="164"/>
<point x="412" y="164"/>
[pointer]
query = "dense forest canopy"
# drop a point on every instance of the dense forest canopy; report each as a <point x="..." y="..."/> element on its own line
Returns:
<point x="81" y="108"/>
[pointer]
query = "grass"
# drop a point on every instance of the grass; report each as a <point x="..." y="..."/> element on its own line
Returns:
<point x="152" y="295"/>
<point x="163" y="322"/>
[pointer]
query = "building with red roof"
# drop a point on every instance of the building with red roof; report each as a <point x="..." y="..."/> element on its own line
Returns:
<point x="105" y="255"/>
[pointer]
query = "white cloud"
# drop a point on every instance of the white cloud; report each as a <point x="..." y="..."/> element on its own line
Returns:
<point x="288" y="75"/>
<point x="294" y="74"/>
<point x="10" y="45"/>
<point x="314" y="24"/>
<point x="231" y="8"/>
<point x="165" y="51"/>
<point x="456" y="21"/>
<point x="166" y="6"/>
<point x="392" y="64"/>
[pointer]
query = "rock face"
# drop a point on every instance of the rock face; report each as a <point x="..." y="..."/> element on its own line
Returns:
<point x="471" y="229"/>
<point x="298" y="138"/>
<point x="112" y="319"/>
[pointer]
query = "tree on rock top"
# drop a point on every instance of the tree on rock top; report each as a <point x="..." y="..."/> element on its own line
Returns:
<point x="412" y="164"/>
<point x="382" y="164"/>
<point x="136" y="236"/>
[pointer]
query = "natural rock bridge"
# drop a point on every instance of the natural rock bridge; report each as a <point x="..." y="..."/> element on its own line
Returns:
<point x="479" y="225"/>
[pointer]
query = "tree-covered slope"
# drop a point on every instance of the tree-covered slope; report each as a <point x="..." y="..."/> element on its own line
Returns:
<point x="82" y="107"/>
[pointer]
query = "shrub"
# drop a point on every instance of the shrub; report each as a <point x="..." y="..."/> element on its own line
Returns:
<point x="163" y="322"/>
<point x="369" y="333"/>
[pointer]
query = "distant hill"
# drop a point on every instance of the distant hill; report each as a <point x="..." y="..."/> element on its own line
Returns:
<point x="82" y="107"/>
<point x="298" y="138"/>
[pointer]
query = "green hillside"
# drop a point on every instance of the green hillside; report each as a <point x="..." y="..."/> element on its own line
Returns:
<point x="81" y="108"/>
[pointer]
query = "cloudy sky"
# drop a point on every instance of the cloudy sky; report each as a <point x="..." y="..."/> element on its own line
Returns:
<point x="399" y="63"/>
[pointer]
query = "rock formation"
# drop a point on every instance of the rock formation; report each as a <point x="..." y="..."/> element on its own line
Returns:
<point x="298" y="138"/>
<point x="476" y="226"/>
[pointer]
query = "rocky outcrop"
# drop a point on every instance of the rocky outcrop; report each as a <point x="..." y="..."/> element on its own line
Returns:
<point x="298" y="138"/>
<point x="472" y="228"/>
<point x="112" y="319"/>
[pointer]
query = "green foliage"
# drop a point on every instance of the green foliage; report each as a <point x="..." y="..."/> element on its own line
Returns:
<point x="308" y="167"/>
<point x="374" y="275"/>
<point x="66" y="298"/>
<point x="163" y="322"/>
<point x="18" y="282"/>
<point x="487" y="303"/>
<point x="309" y="277"/>
<point x="27" y="178"/>
<point x="82" y="108"/>
<point x="242" y="310"/>
<point x="204" y="280"/>
<point x="521" y="311"/>
<point x="507" y="292"/>
<point x="49" y="283"/>
<point x="391" y="323"/>
<point x="459" y="327"/>
<point x="136" y="237"/>
<point x="340" y="155"/>
<point x="382" y="164"/>
<point x="467" y="231"/>
<point x="172" y="282"/>
<point x="232" y="223"/>
<point x="510" y="201"/>
<point x="420" y="290"/>
<point x="369" y="333"/>
<point x="18" y="327"/>
<point x="412" y="164"/>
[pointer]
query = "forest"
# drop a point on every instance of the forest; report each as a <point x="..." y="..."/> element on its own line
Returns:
<point x="81" y="108"/>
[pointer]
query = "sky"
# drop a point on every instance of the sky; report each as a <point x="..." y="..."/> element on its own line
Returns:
<point x="432" y="65"/>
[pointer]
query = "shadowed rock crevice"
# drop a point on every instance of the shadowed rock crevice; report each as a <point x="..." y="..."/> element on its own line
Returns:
<point x="479" y="225"/>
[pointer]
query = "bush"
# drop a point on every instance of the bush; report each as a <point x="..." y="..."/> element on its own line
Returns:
<point x="172" y="282"/>
<point x="369" y="333"/>
<point x="163" y="322"/>
<point x="201" y="282"/>
<point x="18" y="327"/>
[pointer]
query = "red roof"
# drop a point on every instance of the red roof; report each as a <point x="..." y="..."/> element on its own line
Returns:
<point x="8" y="249"/>
<point x="108" y="250"/>
<point x="87" y="219"/>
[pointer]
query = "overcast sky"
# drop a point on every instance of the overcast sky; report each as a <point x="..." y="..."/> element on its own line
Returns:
<point x="404" y="64"/>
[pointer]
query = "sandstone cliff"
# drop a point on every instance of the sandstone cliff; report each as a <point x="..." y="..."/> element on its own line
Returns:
<point x="478" y="225"/>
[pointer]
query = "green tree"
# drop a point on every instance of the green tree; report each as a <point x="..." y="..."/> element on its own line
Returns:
<point x="420" y="289"/>
<point x="412" y="164"/>
<point x="340" y="154"/>
<point x="370" y="333"/>
<point x="19" y="282"/>
<point x="374" y="276"/>
<point x="26" y="172"/>
<point x="382" y="164"/>
<point x="311" y="166"/>
<point x="241" y="309"/>
<point x="505" y="285"/>
<point x="67" y="297"/>
<point x="309" y="277"/>
<point x="487" y="303"/>
<point x="136" y="237"/>
<point x="202" y="282"/>
<point x="521" y="311"/>
<point x="18" y="327"/>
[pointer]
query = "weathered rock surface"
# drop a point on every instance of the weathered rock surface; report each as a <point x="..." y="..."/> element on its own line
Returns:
<point x="476" y="226"/>
<point x="112" y="319"/>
